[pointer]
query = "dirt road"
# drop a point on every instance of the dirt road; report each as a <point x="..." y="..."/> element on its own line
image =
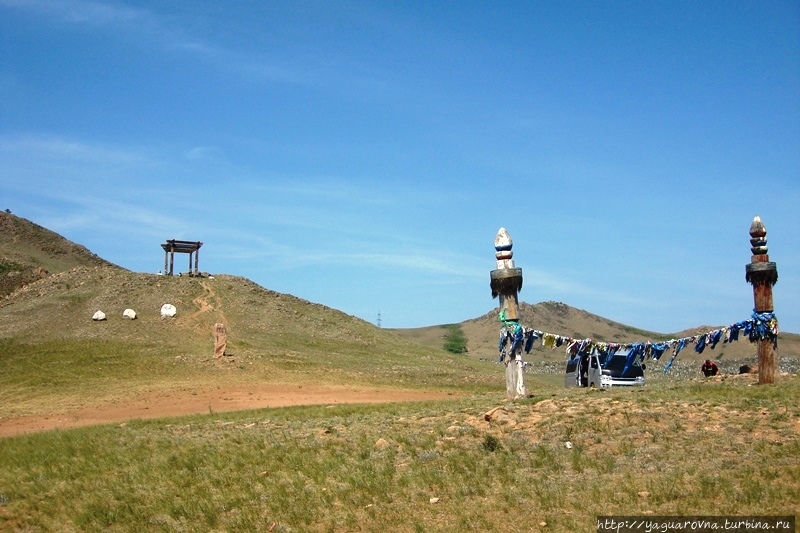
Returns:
<point x="179" y="403"/>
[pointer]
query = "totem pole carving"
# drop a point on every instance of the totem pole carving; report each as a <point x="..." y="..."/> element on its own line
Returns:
<point x="220" y="340"/>
<point x="763" y="274"/>
<point x="506" y="282"/>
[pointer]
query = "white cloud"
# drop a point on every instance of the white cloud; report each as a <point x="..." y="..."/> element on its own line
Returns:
<point x="93" y="14"/>
<point x="205" y="154"/>
<point x="50" y="147"/>
<point x="152" y="30"/>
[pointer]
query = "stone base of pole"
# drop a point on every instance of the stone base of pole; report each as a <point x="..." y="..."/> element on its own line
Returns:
<point x="515" y="383"/>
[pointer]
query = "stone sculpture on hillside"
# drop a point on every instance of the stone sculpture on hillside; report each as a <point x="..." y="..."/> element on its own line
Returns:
<point x="220" y="340"/>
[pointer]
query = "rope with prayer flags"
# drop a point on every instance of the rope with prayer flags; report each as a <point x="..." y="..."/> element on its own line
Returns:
<point x="760" y="326"/>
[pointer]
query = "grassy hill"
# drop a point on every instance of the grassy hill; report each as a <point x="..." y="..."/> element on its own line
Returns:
<point x="55" y="357"/>
<point x="29" y="252"/>
<point x="470" y="462"/>
<point x="49" y="339"/>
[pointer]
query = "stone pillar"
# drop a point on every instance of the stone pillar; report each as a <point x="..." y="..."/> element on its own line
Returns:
<point x="220" y="340"/>
<point x="506" y="282"/>
<point x="763" y="274"/>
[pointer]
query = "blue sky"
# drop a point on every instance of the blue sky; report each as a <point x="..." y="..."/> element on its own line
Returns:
<point x="363" y="155"/>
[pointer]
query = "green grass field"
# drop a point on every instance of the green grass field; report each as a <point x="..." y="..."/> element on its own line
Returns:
<point x="553" y="462"/>
<point x="691" y="448"/>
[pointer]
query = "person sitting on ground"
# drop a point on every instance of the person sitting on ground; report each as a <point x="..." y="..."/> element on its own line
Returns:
<point x="709" y="368"/>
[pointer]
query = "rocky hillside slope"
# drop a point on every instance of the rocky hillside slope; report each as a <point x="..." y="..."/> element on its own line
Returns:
<point x="29" y="252"/>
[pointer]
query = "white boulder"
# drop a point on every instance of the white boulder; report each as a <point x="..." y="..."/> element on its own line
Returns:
<point x="99" y="315"/>
<point x="129" y="313"/>
<point x="168" y="311"/>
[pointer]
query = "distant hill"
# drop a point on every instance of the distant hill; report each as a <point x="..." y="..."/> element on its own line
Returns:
<point x="50" y="287"/>
<point x="483" y="333"/>
<point x="29" y="252"/>
<point x="55" y="287"/>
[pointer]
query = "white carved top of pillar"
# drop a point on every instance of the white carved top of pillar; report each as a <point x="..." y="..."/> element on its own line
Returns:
<point x="502" y="246"/>
<point x="758" y="234"/>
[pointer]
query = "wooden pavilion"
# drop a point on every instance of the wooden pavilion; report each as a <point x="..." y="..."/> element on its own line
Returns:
<point x="184" y="247"/>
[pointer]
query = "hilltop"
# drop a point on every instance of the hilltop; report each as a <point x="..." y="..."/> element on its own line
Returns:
<point x="59" y="367"/>
<point x="282" y="350"/>
<point x="60" y="283"/>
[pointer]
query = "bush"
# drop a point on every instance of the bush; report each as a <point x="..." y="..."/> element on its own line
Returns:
<point x="490" y="443"/>
<point x="454" y="340"/>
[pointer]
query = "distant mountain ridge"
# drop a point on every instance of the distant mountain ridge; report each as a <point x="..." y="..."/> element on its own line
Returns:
<point x="483" y="334"/>
<point x="58" y="274"/>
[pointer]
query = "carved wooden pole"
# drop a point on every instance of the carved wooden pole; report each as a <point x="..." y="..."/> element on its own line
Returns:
<point x="506" y="282"/>
<point x="763" y="274"/>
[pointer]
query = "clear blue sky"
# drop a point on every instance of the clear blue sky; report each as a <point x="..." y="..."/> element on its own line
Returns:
<point x="363" y="155"/>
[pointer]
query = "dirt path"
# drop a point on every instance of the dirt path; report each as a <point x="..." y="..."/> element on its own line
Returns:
<point x="186" y="402"/>
<point x="203" y="302"/>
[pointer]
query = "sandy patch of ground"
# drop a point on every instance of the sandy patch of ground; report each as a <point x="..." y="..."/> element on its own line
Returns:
<point x="180" y="403"/>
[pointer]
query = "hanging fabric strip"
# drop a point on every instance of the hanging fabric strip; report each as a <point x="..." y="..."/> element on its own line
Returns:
<point x="760" y="326"/>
